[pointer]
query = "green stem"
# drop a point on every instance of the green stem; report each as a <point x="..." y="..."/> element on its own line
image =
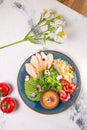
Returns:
<point x="40" y="33"/>
<point x="31" y="30"/>
<point x="12" y="43"/>
<point x="42" y="25"/>
<point x="40" y="21"/>
<point x="55" y="41"/>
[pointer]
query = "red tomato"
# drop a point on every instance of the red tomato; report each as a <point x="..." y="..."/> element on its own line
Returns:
<point x="64" y="96"/>
<point x="67" y="90"/>
<point x="8" y="105"/>
<point x="4" y="89"/>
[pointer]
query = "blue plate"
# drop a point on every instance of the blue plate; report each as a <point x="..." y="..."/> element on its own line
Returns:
<point x="36" y="105"/>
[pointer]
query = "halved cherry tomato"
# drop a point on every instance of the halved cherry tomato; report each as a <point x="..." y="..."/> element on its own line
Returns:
<point x="64" y="96"/>
<point x="8" y="105"/>
<point x="4" y="89"/>
<point x="67" y="89"/>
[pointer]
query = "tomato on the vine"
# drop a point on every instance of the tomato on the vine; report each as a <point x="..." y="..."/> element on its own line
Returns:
<point x="4" y="89"/>
<point x="8" y="105"/>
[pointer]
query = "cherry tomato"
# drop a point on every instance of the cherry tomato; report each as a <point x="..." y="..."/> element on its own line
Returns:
<point x="4" y="89"/>
<point x="8" y="105"/>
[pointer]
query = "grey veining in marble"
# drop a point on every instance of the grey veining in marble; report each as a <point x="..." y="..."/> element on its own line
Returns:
<point x="19" y="5"/>
<point x="2" y="121"/>
<point x="1" y="1"/>
<point x="78" y="112"/>
<point x="30" y="14"/>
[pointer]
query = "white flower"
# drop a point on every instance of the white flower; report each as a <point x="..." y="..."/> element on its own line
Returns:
<point x="59" y="77"/>
<point x="47" y="73"/>
<point x="26" y="77"/>
<point x="59" y="29"/>
<point x="48" y="14"/>
<point x="58" y="22"/>
<point x="33" y="95"/>
<point x="60" y="34"/>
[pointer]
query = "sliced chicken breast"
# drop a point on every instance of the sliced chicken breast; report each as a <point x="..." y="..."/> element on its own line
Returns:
<point x="44" y="60"/>
<point x="35" y="62"/>
<point x="41" y="65"/>
<point x="49" y="60"/>
<point x="31" y="70"/>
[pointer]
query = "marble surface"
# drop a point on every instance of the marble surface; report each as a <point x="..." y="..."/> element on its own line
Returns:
<point x="16" y="18"/>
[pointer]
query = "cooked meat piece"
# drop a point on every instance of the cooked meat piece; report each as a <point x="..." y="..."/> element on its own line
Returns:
<point x="41" y="67"/>
<point x="44" y="60"/>
<point x="35" y="62"/>
<point x="31" y="70"/>
<point x="49" y="60"/>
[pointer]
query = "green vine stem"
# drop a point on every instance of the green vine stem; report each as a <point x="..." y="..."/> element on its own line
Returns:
<point x="12" y="43"/>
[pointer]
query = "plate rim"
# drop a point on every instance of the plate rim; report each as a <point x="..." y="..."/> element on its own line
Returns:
<point x="71" y="104"/>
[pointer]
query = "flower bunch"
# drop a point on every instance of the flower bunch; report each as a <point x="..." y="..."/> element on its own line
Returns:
<point x="49" y="28"/>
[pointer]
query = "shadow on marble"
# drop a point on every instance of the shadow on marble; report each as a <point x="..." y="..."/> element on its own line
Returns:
<point x="1" y="1"/>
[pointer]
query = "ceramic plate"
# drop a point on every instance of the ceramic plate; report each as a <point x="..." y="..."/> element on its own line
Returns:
<point x="36" y="105"/>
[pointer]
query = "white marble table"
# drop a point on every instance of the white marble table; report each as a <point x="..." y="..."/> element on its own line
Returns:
<point x="15" y="21"/>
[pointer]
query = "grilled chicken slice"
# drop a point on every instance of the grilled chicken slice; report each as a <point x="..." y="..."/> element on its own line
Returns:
<point x="40" y="67"/>
<point x="31" y="70"/>
<point x="34" y="61"/>
<point x="44" y="60"/>
<point x="41" y="62"/>
<point x="49" y="60"/>
<point x="38" y="63"/>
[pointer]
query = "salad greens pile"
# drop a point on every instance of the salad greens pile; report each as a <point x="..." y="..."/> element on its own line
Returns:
<point x="35" y="87"/>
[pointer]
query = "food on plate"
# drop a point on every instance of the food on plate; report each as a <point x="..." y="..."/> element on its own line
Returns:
<point x="4" y="89"/>
<point x="47" y="79"/>
<point x="49" y="60"/>
<point x="38" y="63"/>
<point x="35" y="62"/>
<point x="67" y="90"/>
<point x="44" y="60"/>
<point x="8" y="105"/>
<point x="47" y="75"/>
<point x="31" y="70"/>
<point x="49" y="99"/>
<point x="64" y="69"/>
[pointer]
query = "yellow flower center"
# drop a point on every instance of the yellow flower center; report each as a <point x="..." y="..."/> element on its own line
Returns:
<point x="45" y="12"/>
<point x="59" y="17"/>
<point x="61" y="34"/>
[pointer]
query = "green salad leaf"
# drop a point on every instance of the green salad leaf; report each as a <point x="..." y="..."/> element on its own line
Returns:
<point x="52" y="82"/>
